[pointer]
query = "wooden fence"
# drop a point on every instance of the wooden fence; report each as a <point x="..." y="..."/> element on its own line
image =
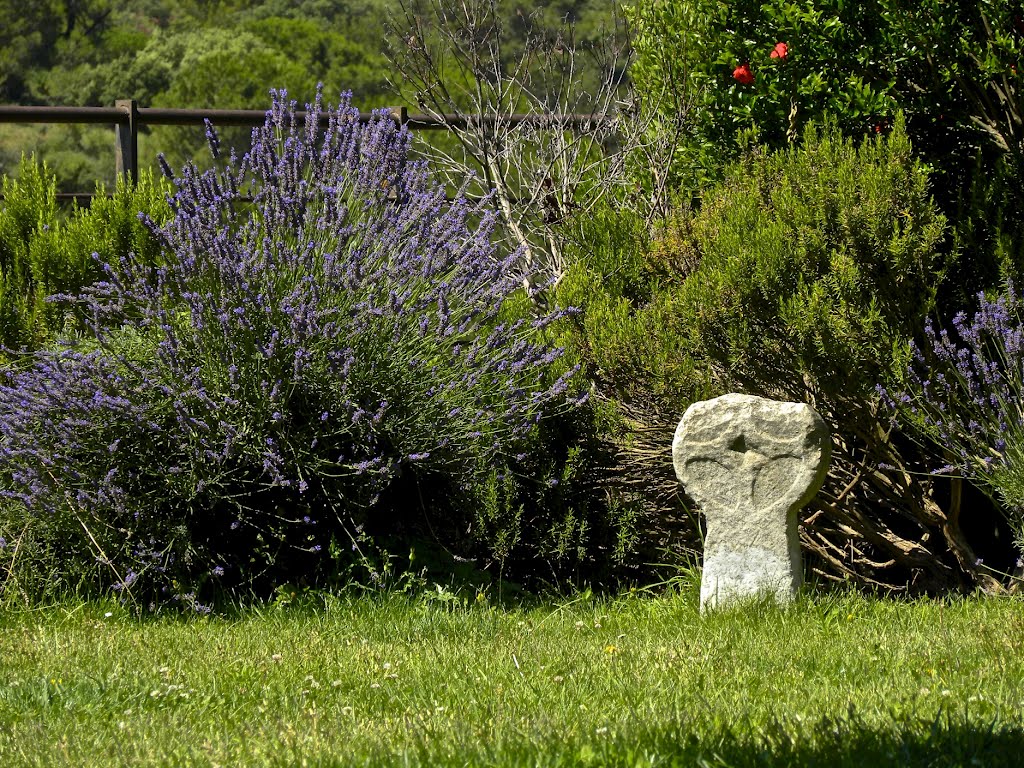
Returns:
<point x="126" y="116"/>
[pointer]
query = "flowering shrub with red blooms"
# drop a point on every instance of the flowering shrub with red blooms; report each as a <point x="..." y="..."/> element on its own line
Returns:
<point x="861" y="62"/>
<point x="743" y="75"/>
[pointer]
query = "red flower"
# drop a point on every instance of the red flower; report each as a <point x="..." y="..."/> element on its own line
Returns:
<point x="743" y="75"/>
<point x="780" y="51"/>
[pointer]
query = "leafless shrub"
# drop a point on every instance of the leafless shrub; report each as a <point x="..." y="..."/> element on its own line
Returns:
<point x="547" y="121"/>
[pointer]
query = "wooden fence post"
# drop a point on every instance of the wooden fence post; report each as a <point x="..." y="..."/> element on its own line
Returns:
<point x="126" y="137"/>
<point x="400" y="114"/>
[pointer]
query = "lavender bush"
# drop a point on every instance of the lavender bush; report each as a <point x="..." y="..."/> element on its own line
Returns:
<point x="329" y="346"/>
<point x="963" y="392"/>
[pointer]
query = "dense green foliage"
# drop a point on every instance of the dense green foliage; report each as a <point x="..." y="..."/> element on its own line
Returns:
<point x="44" y="251"/>
<point x="952" y="67"/>
<point x="800" y="272"/>
<point x="805" y="269"/>
<point x="214" y="54"/>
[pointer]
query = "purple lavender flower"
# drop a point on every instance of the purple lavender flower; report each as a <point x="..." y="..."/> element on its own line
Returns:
<point x="323" y="311"/>
<point x="963" y="392"/>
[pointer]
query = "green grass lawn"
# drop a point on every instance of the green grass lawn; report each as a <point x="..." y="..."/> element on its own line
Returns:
<point x="634" y="681"/>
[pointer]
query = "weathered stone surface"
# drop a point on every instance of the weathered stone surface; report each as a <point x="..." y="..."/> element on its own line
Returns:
<point x="750" y="464"/>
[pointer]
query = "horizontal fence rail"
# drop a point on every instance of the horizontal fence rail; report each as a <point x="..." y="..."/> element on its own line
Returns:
<point x="127" y="117"/>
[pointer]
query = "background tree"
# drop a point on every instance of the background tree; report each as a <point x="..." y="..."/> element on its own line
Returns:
<point x="190" y="54"/>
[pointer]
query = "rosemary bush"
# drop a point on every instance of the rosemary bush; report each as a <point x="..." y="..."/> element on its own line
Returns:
<point x="803" y="276"/>
<point x="327" y="354"/>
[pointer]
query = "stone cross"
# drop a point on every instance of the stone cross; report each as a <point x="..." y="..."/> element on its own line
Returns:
<point x="750" y="464"/>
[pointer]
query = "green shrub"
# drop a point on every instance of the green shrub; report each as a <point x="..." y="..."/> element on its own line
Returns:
<point x="546" y="518"/>
<point x="629" y="348"/>
<point x="44" y="252"/>
<point x="811" y="265"/>
<point x="30" y="205"/>
<point x="803" y="276"/>
<point x="829" y="67"/>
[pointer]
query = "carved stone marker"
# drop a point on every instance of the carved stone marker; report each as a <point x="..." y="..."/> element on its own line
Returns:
<point x="751" y="464"/>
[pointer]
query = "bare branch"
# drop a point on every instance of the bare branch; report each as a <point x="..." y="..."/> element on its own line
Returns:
<point x="461" y="64"/>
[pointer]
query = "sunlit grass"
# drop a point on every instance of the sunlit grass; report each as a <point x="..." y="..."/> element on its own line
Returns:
<point x="638" y="680"/>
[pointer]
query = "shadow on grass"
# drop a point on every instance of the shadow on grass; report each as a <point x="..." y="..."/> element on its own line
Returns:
<point x="947" y="741"/>
<point x="833" y="744"/>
